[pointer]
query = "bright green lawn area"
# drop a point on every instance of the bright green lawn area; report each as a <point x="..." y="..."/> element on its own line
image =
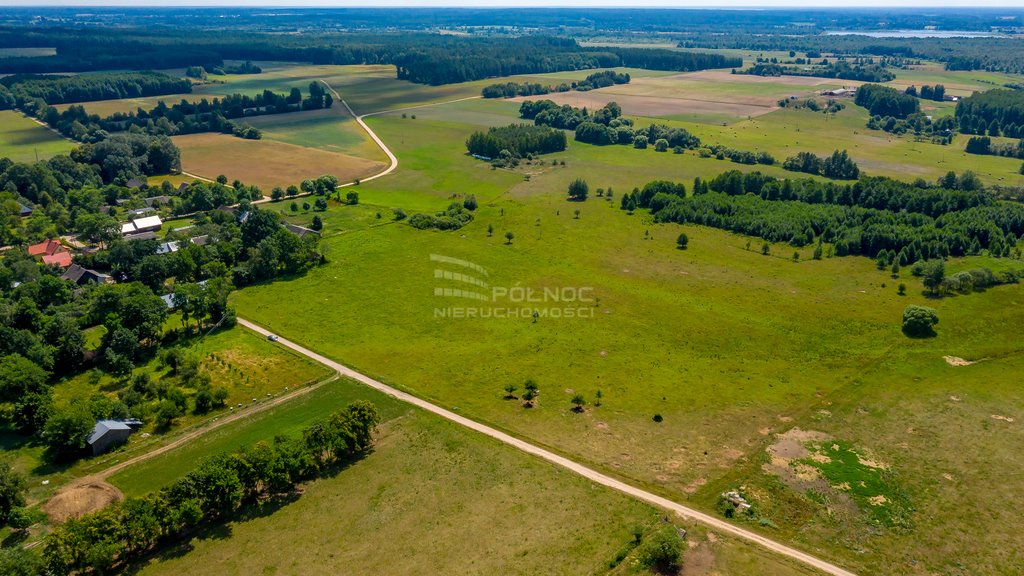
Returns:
<point x="728" y="345"/>
<point x="23" y="140"/>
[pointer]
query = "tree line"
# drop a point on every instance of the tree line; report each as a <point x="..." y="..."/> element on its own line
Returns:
<point x="864" y="70"/>
<point x="87" y="87"/>
<point x="108" y="540"/>
<point x="182" y="118"/>
<point x="601" y="79"/>
<point x="838" y="166"/>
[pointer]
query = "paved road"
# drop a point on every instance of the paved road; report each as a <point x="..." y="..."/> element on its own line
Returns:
<point x="589" y="473"/>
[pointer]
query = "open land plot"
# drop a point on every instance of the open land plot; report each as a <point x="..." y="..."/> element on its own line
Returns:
<point x="331" y="130"/>
<point x="729" y="346"/>
<point x="706" y="97"/>
<point x="245" y="364"/>
<point x="267" y="163"/>
<point x="958" y="83"/>
<point x="523" y="515"/>
<point x="783" y="133"/>
<point x="24" y="140"/>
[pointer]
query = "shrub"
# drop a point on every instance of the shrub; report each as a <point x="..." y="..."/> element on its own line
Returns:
<point x="918" y="321"/>
<point x="662" y="550"/>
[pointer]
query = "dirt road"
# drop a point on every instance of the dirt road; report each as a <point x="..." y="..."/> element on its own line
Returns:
<point x="589" y="473"/>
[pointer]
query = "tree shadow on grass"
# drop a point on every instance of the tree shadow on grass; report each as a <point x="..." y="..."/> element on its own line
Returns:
<point x="223" y="529"/>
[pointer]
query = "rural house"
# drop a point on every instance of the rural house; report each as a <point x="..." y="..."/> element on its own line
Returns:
<point x="107" y="433"/>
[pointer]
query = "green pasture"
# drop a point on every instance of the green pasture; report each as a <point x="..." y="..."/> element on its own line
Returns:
<point x="729" y="346"/>
<point x="524" y="516"/>
<point x="23" y="140"/>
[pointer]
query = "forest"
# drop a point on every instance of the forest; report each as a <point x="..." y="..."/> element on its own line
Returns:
<point x="87" y="87"/>
<point x="875" y="215"/>
<point x="519" y="139"/>
<point x="997" y="112"/>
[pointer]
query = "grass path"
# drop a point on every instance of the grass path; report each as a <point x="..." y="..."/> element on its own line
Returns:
<point x="589" y="473"/>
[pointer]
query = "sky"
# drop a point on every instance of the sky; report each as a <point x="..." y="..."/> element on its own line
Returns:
<point x="1018" y="4"/>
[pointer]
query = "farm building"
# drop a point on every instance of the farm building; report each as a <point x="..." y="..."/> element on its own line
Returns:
<point x="140" y="225"/>
<point x="844" y="91"/>
<point x="107" y="433"/>
<point x="140" y="236"/>
<point x="167" y="248"/>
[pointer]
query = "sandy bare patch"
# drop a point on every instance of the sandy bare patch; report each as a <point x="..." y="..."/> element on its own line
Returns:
<point x="870" y="462"/>
<point x="956" y="361"/>
<point x="698" y="561"/>
<point x="785" y="418"/>
<point x="845" y="487"/>
<point x="732" y="453"/>
<point x="695" y="485"/>
<point x="638" y="105"/>
<point x="954" y="398"/>
<point x="820" y="458"/>
<point x="722" y="76"/>
<point x="1003" y="418"/>
<point x="947" y="476"/>
<point x="601" y="425"/>
<point x="764" y="431"/>
<point x="81" y="497"/>
<point x="877" y="500"/>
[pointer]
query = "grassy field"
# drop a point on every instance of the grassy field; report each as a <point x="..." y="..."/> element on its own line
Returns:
<point x="524" y="516"/>
<point x="729" y="346"/>
<point x="22" y="140"/>
<point x="244" y="363"/>
<point x="266" y="163"/>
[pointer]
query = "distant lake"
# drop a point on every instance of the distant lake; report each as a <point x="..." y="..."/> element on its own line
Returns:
<point x="914" y="33"/>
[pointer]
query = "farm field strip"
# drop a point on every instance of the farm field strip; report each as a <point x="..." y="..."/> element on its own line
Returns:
<point x="589" y="473"/>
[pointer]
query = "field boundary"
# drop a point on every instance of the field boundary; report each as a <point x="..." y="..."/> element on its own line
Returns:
<point x="571" y="465"/>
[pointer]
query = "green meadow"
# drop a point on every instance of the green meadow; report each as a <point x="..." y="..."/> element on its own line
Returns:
<point x="23" y="140"/>
<point x="729" y="346"/>
<point x="524" y="516"/>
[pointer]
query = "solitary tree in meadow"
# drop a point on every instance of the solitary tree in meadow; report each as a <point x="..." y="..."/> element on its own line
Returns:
<point x="578" y="402"/>
<point x="597" y="398"/>
<point x="317" y="224"/>
<point x="510" y="391"/>
<point x="578" y="190"/>
<point x="490" y="230"/>
<point x="682" y="241"/>
<point x="509" y="237"/>
<point x="576" y="213"/>
<point x="766" y="249"/>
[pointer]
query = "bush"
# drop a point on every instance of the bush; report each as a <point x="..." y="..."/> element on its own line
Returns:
<point x="682" y="241"/>
<point x="662" y="550"/>
<point x="918" y="321"/>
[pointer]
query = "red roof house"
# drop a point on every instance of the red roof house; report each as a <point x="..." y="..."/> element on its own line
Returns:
<point x="62" y="259"/>
<point x="45" y="247"/>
